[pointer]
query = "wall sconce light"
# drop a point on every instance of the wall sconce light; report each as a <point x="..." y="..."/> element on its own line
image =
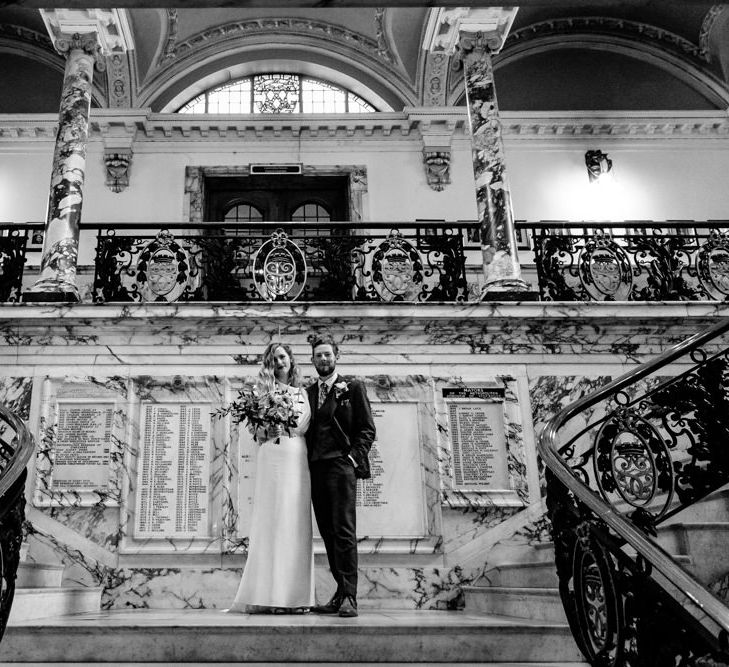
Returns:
<point x="599" y="165"/>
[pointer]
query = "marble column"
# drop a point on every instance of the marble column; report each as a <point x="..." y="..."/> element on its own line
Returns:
<point x="502" y="273"/>
<point x="57" y="281"/>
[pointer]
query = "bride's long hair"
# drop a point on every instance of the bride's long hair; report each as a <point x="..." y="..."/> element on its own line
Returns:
<point x="267" y="376"/>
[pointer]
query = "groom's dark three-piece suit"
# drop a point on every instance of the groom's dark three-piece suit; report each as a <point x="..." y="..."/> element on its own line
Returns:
<point x="338" y="441"/>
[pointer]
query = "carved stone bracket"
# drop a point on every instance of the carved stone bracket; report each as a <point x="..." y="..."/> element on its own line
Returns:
<point x="117" y="169"/>
<point x="437" y="168"/>
<point x="117" y="161"/>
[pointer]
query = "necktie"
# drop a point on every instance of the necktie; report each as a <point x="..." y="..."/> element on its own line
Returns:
<point x="322" y="394"/>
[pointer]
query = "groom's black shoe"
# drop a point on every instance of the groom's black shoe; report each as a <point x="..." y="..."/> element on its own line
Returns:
<point x="331" y="607"/>
<point x="348" y="608"/>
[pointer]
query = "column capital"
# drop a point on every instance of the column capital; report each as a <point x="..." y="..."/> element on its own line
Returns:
<point x="449" y="26"/>
<point x="109" y="28"/>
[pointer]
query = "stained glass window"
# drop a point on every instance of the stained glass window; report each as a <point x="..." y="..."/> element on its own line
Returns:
<point x="277" y="93"/>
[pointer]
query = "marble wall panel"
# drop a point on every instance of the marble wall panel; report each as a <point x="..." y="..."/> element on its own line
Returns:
<point x="174" y="394"/>
<point x="15" y="395"/>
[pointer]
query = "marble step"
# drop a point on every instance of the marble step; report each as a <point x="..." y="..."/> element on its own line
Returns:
<point x="524" y="603"/>
<point x="522" y="575"/>
<point x="715" y="507"/>
<point x="706" y="543"/>
<point x="31" y="604"/>
<point x="192" y="635"/>
<point x="39" y="575"/>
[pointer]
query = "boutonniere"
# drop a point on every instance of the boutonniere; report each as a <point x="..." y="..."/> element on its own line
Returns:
<point x="340" y="388"/>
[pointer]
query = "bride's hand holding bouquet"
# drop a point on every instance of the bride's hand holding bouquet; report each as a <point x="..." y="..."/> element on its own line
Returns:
<point x="267" y="408"/>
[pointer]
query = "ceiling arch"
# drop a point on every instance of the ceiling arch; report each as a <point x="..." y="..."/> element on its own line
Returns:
<point x="312" y="48"/>
<point x="678" y="58"/>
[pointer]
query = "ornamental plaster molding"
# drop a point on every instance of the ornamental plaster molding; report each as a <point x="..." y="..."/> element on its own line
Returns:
<point x="255" y="38"/>
<point x="168" y="50"/>
<point x="447" y="26"/>
<point x="26" y="35"/>
<point x="706" y="27"/>
<point x="111" y="26"/>
<point x="428" y="125"/>
<point x="383" y="43"/>
<point x="281" y="26"/>
<point x="606" y="25"/>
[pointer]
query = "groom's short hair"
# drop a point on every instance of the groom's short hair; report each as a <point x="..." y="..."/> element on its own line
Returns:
<point x="324" y="339"/>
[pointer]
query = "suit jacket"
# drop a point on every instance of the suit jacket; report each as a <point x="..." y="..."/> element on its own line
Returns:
<point x="342" y="426"/>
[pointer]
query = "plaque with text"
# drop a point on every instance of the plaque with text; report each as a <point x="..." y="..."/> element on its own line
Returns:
<point x="389" y="504"/>
<point x="82" y="446"/>
<point x="478" y="444"/>
<point x="173" y="471"/>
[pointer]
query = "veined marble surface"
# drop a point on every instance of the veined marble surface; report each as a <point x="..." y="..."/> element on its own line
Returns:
<point x="544" y="355"/>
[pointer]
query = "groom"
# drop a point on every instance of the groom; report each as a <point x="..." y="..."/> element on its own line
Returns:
<point x="339" y="438"/>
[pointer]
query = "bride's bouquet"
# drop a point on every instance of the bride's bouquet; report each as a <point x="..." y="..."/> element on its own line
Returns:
<point x="271" y="411"/>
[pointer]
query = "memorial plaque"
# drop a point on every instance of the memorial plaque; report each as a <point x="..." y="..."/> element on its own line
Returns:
<point x="478" y="445"/>
<point x="81" y="449"/>
<point x="173" y="471"/>
<point x="389" y="504"/>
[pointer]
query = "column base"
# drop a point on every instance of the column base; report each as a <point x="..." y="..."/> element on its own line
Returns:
<point x="54" y="291"/>
<point x="511" y="289"/>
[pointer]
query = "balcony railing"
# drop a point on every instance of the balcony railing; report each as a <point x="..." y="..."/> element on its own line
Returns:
<point x="13" y="243"/>
<point x="418" y="261"/>
<point x="680" y="260"/>
<point x="333" y="261"/>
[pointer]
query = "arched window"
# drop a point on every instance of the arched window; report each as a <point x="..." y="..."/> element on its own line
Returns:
<point x="243" y="213"/>
<point x="310" y="212"/>
<point x="277" y="93"/>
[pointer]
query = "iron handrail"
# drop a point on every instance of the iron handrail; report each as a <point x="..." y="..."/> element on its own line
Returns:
<point x="548" y="444"/>
<point x="21" y="454"/>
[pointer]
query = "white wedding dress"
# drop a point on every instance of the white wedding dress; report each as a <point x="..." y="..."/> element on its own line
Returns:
<point x="279" y="571"/>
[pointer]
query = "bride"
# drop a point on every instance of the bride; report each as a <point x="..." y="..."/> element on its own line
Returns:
<point x="279" y="573"/>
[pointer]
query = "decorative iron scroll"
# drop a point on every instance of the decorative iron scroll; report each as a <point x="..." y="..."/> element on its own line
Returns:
<point x="304" y="263"/>
<point x="649" y="450"/>
<point x="650" y="262"/>
<point x="12" y="261"/>
<point x="279" y="268"/>
<point x="616" y="612"/>
<point x="12" y="514"/>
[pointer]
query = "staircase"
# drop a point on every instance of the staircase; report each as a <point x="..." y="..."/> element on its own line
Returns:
<point x="39" y="594"/>
<point x="513" y="615"/>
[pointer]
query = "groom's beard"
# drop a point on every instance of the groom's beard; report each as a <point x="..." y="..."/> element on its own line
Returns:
<point x="325" y="369"/>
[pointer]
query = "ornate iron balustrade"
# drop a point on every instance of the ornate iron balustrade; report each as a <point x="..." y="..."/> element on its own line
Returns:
<point x="282" y="262"/>
<point x="16" y="448"/>
<point x="619" y="462"/>
<point x="631" y="261"/>
<point x="13" y="243"/>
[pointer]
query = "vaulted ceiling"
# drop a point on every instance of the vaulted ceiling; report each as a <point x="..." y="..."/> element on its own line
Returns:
<point x="598" y="55"/>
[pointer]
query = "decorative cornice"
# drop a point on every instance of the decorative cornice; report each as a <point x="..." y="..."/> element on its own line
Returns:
<point x="414" y="123"/>
<point x="279" y="26"/>
<point x="705" y="33"/>
<point x="605" y="25"/>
